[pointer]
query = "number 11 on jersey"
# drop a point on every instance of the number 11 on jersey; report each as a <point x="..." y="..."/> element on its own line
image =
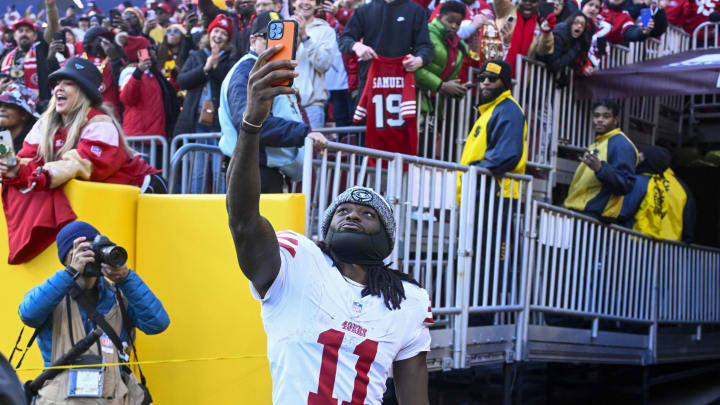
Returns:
<point x="332" y="340"/>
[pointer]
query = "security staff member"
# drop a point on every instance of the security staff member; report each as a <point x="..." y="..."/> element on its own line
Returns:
<point x="659" y="204"/>
<point x="497" y="141"/>
<point x="607" y="170"/>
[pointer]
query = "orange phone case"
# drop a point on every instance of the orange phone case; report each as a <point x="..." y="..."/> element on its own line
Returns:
<point x="283" y="32"/>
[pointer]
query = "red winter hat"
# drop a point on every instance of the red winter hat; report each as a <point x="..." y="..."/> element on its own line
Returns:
<point x="23" y="21"/>
<point x="223" y="22"/>
<point x="133" y="45"/>
<point x="166" y="8"/>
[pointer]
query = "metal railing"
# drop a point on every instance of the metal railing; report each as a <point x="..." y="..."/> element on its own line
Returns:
<point x="188" y="153"/>
<point x="675" y="40"/>
<point x="148" y="145"/>
<point x="706" y="36"/>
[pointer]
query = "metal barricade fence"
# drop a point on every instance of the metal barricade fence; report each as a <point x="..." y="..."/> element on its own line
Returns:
<point x="575" y="116"/>
<point x="191" y="152"/>
<point x="619" y="55"/>
<point x="443" y="124"/>
<point x="584" y="272"/>
<point x="675" y="40"/>
<point x="534" y="91"/>
<point x="705" y="36"/>
<point x="148" y="146"/>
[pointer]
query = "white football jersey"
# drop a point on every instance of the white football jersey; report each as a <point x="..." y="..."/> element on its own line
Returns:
<point x="326" y="343"/>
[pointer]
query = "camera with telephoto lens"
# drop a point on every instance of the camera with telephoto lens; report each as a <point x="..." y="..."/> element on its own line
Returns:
<point x="105" y="252"/>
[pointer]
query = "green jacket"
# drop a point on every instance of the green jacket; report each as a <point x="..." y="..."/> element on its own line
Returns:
<point x="428" y="77"/>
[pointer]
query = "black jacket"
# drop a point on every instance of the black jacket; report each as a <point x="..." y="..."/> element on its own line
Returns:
<point x="391" y="29"/>
<point x="565" y="50"/>
<point x="193" y="79"/>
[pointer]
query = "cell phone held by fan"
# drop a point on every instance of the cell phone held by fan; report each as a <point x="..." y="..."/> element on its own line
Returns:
<point x="283" y="32"/>
<point x="7" y="152"/>
<point x="645" y="17"/>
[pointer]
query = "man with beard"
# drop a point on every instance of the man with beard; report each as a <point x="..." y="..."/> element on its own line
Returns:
<point x="100" y="48"/>
<point x="337" y="319"/>
<point x="497" y="141"/>
<point x="243" y="13"/>
<point x="28" y="63"/>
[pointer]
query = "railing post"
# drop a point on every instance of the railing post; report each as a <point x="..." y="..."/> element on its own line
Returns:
<point x="307" y="183"/>
<point x="464" y="266"/>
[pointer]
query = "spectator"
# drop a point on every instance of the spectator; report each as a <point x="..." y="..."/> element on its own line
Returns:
<point x="624" y="29"/>
<point x="96" y="21"/>
<point x="477" y="13"/>
<point x="151" y="104"/>
<point x="62" y="310"/>
<point x="606" y="171"/>
<point x="76" y="137"/>
<point x="341" y="11"/>
<point x="202" y="77"/>
<point x="243" y="15"/>
<point x="522" y="30"/>
<point x="571" y="39"/>
<point x="659" y="204"/>
<point x="660" y="20"/>
<point x="83" y="26"/>
<point x="449" y="50"/>
<point x="133" y="22"/>
<point x="562" y="9"/>
<point x="599" y="46"/>
<point x="163" y="13"/>
<point x="173" y="52"/>
<point x="17" y="113"/>
<point x="497" y="141"/>
<point x="390" y="29"/>
<point x="268" y="5"/>
<point x="27" y="64"/>
<point x="282" y="129"/>
<point x="689" y="14"/>
<point x="317" y="46"/>
<point x="101" y="50"/>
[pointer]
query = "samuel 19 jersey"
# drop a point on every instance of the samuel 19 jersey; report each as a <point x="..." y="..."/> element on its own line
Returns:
<point x="388" y="103"/>
<point x="327" y="344"/>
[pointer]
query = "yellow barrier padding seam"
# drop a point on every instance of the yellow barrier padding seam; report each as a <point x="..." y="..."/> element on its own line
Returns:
<point x="132" y="363"/>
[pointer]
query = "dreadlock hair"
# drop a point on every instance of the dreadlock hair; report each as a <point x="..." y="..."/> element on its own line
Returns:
<point x="382" y="281"/>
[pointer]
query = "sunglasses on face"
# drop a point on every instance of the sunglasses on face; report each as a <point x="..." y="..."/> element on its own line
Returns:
<point x="173" y="31"/>
<point x="492" y="79"/>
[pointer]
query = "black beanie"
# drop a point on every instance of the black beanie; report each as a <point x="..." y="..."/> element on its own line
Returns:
<point x="656" y="160"/>
<point x="499" y="68"/>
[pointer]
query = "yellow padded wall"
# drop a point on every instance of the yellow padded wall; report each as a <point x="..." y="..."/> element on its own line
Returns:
<point x="110" y="208"/>
<point x="187" y="257"/>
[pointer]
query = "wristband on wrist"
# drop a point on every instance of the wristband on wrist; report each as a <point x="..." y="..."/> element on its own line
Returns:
<point x="72" y="272"/>
<point x="251" y="128"/>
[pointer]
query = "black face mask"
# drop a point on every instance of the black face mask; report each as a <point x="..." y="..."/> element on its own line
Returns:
<point x="358" y="247"/>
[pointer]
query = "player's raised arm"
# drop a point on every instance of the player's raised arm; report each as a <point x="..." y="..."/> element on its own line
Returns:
<point x="255" y="243"/>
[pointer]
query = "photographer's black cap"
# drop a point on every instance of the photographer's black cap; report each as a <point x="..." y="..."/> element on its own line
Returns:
<point x="261" y="21"/>
<point x="84" y="74"/>
<point x="70" y="232"/>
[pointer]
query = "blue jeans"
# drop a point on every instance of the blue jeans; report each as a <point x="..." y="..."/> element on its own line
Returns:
<point x="316" y="115"/>
<point x="206" y="167"/>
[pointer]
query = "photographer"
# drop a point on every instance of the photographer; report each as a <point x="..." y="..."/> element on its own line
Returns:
<point x="58" y="308"/>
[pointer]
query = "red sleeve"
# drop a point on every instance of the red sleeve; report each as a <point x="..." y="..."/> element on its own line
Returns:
<point x="103" y="149"/>
<point x="130" y="93"/>
<point x="29" y="150"/>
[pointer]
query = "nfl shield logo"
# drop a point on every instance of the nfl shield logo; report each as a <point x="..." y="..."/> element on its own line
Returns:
<point x="357" y="307"/>
<point x="96" y="150"/>
<point x="105" y="340"/>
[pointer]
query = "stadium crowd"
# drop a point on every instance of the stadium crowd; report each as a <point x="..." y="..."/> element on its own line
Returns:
<point x="168" y="68"/>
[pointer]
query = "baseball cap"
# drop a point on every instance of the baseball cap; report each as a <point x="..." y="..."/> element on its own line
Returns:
<point x="260" y="24"/>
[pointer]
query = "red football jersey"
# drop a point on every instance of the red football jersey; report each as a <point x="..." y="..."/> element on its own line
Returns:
<point x="388" y="103"/>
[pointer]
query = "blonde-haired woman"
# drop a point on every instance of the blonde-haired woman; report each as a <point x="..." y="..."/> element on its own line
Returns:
<point x="76" y="137"/>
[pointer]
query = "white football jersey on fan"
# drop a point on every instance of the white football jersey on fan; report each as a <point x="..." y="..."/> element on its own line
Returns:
<point x="326" y="343"/>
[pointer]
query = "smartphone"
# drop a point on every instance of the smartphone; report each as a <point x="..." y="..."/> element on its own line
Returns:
<point x="7" y="152"/>
<point x="283" y="32"/>
<point x="645" y="16"/>
<point x="143" y="54"/>
<point x="151" y="15"/>
<point x="59" y="36"/>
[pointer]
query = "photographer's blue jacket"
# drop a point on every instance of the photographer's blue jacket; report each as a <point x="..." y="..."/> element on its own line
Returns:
<point x="144" y="309"/>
